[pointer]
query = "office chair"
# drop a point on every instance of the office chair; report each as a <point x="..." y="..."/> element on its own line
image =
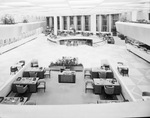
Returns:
<point x="21" y="89"/>
<point x="109" y="89"/>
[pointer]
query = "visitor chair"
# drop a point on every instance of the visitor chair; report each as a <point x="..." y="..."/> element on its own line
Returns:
<point x="124" y="71"/>
<point x="13" y="69"/>
<point x="34" y="63"/>
<point x="146" y="95"/>
<point x="41" y="84"/>
<point x="89" y="86"/>
<point x="47" y="72"/>
<point x="87" y="73"/>
<point x="22" y="61"/>
<point x="109" y="89"/>
<point x="120" y="63"/>
<point x="21" y="88"/>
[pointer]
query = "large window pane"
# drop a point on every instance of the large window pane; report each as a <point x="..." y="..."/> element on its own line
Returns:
<point x="104" y="23"/>
<point x="87" y="25"/>
<point x="65" y="22"/>
<point x="97" y="22"/>
<point x="78" y="22"/>
<point x="58" y="23"/>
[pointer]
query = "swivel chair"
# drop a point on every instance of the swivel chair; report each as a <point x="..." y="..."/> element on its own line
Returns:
<point x="21" y="89"/>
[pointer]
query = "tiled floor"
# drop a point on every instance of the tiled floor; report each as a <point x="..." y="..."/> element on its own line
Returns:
<point x="45" y="52"/>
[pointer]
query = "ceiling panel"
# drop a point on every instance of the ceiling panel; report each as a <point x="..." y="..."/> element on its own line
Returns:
<point x="71" y="7"/>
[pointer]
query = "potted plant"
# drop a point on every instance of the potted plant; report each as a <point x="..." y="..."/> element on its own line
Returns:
<point x="7" y="19"/>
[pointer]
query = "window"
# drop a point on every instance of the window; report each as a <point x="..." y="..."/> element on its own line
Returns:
<point x="115" y="18"/>
<point x="78" y="22"/>
<point x="58" y="23"/>
<point x="97" y="22"/>
<point x="65" y="22"/>
<point x="104" y="23"/>
<point x="87" y="25"/>
<point x="47" y="21"/>
<point x="71" y="20"/>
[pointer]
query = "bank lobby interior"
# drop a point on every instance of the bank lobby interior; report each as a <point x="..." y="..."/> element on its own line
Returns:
<point x="71" y="58"/>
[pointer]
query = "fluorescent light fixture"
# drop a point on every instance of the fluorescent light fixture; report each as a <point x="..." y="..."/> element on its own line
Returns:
<point x="115" y="3"/>
<point x="55" y="5"/>
<point x="13" y="4"/>
<point x="47" y="1"/>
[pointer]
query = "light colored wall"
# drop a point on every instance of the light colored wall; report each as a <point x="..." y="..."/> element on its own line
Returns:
<point x="18" y="31"/>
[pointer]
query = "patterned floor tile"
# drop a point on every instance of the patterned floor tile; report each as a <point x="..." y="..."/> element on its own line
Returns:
<point x="133" y="71"/>
<point x="143" y="81"/>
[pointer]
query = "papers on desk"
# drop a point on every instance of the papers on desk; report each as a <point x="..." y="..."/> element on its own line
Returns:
<point x="68" y="72"/>
<point x="105" y="82"/>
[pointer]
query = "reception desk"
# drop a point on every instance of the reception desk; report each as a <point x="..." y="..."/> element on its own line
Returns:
<point x="137" y="36"/>
<point x="138" y="31"/>
<point x="66" y="77"/>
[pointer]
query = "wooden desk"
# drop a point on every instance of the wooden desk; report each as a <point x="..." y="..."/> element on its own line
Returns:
<point x="13" y="101"/>
<point x="66" y="77"/>
<point x="102" y="73"/>
<point x="100" y="83"/>
<point x="30" y="81"/>
<point x="95" y="72"/>
<point x="40" y="72"/>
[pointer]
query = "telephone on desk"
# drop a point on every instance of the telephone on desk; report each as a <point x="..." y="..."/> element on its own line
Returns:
<point x="34" y="79"/>
<point x="19" y="78"/>
<point x="21" y="99"/>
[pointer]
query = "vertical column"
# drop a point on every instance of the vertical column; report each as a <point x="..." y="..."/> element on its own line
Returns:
<point x="82" y="23"/>
<point x="55" y="25"/>
<point x="68" y="23"/>
<point x="134" y="16"/>
<point x="75" y="22"/>
<point x="50" y="22"/>
<point x="109" y="23"/>
<point x="61" y="23"/>
<point x="100" y="23"/>
<point x="93" y="23"/>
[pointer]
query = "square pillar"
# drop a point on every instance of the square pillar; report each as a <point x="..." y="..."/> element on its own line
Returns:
<point x="82" y="23"/>
<point x="68" y="23"/>
<point x="93" y="23"/>
<point x="55" y="25"/>
<point x="75" y="22"/>
<point x="100" y="23"/>
<point x="134" y="16"/>
<point x="109" y="22"/>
